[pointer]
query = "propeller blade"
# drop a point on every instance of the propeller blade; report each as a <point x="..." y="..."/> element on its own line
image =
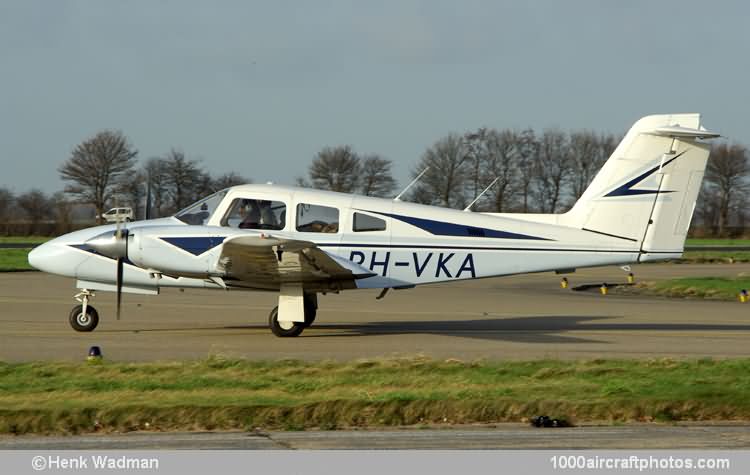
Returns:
<point x="120" y="268"/>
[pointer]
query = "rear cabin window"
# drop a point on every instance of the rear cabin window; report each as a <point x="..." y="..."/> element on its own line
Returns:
<point x="364" y="222"/>
<point x="247" y="213"/>
<point x="317" y="219"/>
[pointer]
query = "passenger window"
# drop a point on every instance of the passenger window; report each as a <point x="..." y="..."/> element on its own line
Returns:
<point x="317" y="219"/>
<point x="255" y="214"/>
<point x="364" y="222"/>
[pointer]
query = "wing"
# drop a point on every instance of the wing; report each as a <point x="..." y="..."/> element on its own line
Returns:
<point x="267" y="262"/>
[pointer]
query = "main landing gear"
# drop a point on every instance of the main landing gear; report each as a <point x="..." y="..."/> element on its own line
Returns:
<point x="84" y="317"/>
<point x="287" y="328"/>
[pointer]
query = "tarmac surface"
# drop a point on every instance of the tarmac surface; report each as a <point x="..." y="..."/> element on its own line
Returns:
<point x="502" y="436"/>
<point x="521" y="317"/>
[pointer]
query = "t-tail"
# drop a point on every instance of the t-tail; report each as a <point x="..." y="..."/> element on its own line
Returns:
<point x="646" y="191"/>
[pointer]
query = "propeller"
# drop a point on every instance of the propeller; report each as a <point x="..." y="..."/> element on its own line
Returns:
<point x="115" y="246"/>
<point x="120" y="264"/>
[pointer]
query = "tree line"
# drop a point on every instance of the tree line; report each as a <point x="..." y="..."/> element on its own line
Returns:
<point x="103" y="172"/>
<point x="523" y="171"/>
<point x="527" y="172"/>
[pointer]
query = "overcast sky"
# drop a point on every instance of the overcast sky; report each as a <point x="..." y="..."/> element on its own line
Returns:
<point x="260" y="87"/>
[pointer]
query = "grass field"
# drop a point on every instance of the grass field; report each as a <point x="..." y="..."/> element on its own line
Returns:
<point x="700" y="287"/>
<point x="714" y="257"/>
<point x="293" y="395"/>
<point x="717" y="242"/>
<point x="25" y="239"/>
<point x="14" y="260"/>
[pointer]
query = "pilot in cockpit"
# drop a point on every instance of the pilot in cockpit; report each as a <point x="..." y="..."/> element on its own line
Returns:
<point x="252" y="215"/>
<point x="267" y="216"/>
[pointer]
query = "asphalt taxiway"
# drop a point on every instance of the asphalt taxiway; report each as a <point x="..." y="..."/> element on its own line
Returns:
<point x="502" y="436"/>
<point x="521" y="317"/>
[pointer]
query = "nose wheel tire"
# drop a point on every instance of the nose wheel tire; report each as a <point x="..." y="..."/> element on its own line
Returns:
<point x="283" y="329"/>
<point x="83" y="322"/>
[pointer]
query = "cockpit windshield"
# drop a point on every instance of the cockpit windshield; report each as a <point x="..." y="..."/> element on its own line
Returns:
<point x="200" y="212"/>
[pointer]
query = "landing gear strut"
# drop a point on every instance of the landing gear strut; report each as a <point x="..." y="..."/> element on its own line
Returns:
<point x="287" y="328"/>
<point x="84" y="318"/>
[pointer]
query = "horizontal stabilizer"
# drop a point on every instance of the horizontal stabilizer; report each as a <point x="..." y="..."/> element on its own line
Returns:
<point x="684" y="132"/>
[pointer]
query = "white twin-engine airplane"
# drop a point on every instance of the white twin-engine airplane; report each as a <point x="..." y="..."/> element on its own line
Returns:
<point x="300" y="242"/>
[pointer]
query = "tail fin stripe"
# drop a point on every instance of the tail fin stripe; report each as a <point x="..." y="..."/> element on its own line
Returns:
<point x="627" y="188"/>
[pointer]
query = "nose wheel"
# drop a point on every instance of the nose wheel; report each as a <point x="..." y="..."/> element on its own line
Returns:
<point x="84" y="317"/>
<point x="84" y="321"/>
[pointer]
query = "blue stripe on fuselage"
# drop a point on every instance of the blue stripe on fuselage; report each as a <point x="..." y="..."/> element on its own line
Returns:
<point x="441" y="228"/>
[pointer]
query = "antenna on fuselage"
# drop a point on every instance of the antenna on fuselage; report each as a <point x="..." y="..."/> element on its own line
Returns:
<point x="468" y="208"/>
<point x="398" y="197"/>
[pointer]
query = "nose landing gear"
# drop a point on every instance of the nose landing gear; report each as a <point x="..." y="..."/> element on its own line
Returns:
<point x="84" y="317"/>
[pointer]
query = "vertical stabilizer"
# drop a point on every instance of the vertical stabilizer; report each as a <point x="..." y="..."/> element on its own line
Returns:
<point x="646" y="191"/>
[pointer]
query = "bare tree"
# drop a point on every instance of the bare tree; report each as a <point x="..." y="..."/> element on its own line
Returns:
<point x="727" y="181"/>
<point x="36" y="207"/>
<point x="552" y="170"/>
<point x="588" y="152"/>
<point x="474" y="148"/>
<point x="184" y="179"/>
<point x="499" y="160"/>
<point x="706" y="210"/>
<point x="132" y="192"/>
<point x="156" y="175"/>
<point x="6" y="200"/>
<point x="204" y="186"/>
<point x="335" y="169"/>
<point x="229" y="179"/>
<point x="448" y="175"/>
<point x="376" y="178"/>
<point x="96" y="167"/>
<point x="528" y="151"/>
<point x="63" y="208"/>
<point x="583" y="147"/>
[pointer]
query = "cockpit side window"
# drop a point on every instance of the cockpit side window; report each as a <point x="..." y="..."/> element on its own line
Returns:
<point x="249" y="213"/>
<point x="200" y="212"/>
<point x="365" y="222"/>
<point x="317" y="219"/>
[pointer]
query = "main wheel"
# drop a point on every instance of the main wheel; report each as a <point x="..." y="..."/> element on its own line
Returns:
<point x="83" y="322"/>
<point x="311" y="310"/>
<point x="283" y="329"/>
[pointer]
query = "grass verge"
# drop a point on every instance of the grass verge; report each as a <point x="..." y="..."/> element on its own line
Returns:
<point x="237" y="394"/>
<point x="25" y="239"/>
<point x="714" y="257"/>
<point x="717" y="242"/>
<point x="14" y="260"/>
<point x="719" y="288"/>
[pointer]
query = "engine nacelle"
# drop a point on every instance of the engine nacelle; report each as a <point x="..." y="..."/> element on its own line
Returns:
<point x="187" y="251"/>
